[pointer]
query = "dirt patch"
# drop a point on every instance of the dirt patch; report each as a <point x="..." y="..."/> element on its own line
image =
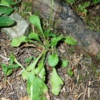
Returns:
<point x="85" y="84"/>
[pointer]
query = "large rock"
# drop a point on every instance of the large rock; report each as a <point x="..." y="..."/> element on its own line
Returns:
<point x="67" y="21"/>
<point x="21" y="28"/>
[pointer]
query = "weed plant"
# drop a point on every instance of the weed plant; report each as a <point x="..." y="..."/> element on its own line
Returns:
<point x="35" y="73"/>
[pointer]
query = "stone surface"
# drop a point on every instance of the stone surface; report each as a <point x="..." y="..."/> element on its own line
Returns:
<point x="67" y="21"/>
<point x="20" y="28"/>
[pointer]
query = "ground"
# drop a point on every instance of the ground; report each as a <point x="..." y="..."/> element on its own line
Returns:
<point x="84" y="85"/>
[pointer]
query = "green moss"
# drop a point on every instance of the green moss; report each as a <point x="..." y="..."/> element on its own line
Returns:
<point x="26" y="8"/>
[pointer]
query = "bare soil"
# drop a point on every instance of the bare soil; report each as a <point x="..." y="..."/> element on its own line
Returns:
<point x="84" y="85"/>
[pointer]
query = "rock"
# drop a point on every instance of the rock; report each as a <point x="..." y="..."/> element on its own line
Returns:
<point x="21" y="28"/>
<point x="67" y="21"/>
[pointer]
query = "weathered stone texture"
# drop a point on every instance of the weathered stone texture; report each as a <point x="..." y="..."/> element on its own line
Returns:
<point x="21" y="28"/>
<point x="65" y="19"/>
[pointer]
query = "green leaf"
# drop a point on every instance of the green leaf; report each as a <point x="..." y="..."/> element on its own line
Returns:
<point x="27" y="60"/>
<point x="6" y="10"/>
<point x="80" y="8"/>
<point x="6" y="21"/>
<point x="12" y="2"/>
<point x="38" y="89"/>
<point x="9" y="72"/>
<point x="55" y="40"/>
<point x="4" y="68"/>
<point x="40" y="66"/>
<point x="86" y="4"/>
<point x="30" y="79"/>
<point x="85" y="11"/>
<point x="4" y="3"/>
<point x="47" y="33"/>
<point x="15" y="66"/>
<point x="7" y="69"/>
<point x="34" y="19"/>
<point x="33" y="65"/>
<point x="70" y="72"/>
<point x="1" y="13"/>
<point x="42" y="74"/>
<point x="53" y="60"/>
<point x="34" y="36"/>
<point x="12" y="58"/>
<point x="70" y="40"/>
<point x="56" y="82"/>
<point x="64" y="63"/>
<point x="28" y="76"/>
<point x="17" y="41"/>
<point x="70" y="1"/>
<point x="96" y="1"/>
<point x="24" y="75"/>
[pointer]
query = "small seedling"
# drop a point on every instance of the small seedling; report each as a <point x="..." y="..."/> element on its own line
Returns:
<point x="82" y="7"/>
<point x="70" y="72"/>
<point x="64" y="63"/>
<point x="9" y="68"/>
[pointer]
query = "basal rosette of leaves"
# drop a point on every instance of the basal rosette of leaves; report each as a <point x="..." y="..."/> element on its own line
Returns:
<point x="5" y="11"/>
<point x="35" y="73"/>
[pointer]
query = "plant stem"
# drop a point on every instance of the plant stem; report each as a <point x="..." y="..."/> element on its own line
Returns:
<point x="21" y="66"/>
<point x="52" y="5"/>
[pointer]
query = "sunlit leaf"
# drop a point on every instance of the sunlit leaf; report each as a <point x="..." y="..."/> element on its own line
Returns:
<point x="55" y="40"/>
<point x="81" y="8"/>
<point x="70" y="40"/>
<point x="27" y="76"/>
<point x="17" y="41"/>
<point x="53" y="60"/>
<point x="38" y="89"/>
<point x="33" y="65"/>
<point x="39" y="67"/>
<point x="86" y="4"/>
<point x="64" y="63"/>
<point x="9" y="72"/>
<point x="34" y="36"/>
<point x="42" y="74"/>
<point x="4" y="3"/>
<point x="34" y="19"/>
<point x="30" y="79"/>
<point x="56" y="82"/>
